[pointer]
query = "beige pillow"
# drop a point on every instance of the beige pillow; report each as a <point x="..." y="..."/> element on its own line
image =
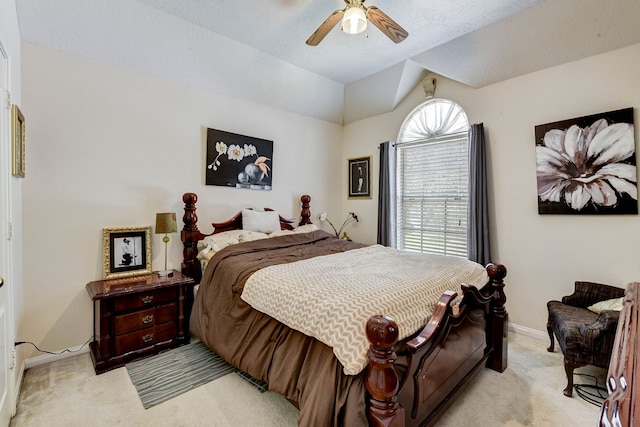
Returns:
<point x="280" y="233"/>
<point x="610" y="304"/>
<point x="263" y="222"/>
<point x="216" y="242"/>
<point x="307" y="228"/>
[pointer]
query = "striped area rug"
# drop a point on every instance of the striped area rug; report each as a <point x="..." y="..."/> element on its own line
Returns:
<point x="169" y="374"/>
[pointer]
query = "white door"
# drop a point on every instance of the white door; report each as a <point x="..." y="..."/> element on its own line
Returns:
<point x="6" y="344"/>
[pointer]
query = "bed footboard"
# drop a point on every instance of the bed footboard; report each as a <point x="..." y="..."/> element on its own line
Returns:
<point x="455" y="344"/>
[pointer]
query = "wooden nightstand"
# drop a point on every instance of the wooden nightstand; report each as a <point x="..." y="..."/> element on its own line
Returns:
<point x="138" y="316"/>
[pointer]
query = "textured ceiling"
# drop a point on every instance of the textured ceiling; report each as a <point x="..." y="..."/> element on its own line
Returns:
<point x="280" y="28"/>
<point x="255" y="50"/>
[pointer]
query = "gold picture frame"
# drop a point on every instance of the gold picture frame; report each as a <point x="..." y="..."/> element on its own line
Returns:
<point x="126" y="251"/>
<point x="17" y="148"/>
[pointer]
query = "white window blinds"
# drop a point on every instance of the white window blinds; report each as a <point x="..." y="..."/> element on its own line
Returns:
<point x="432" y="192"/>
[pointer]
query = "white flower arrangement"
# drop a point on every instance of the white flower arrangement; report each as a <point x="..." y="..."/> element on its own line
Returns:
<point x="351" y="217"/>
<point x="253" y="172"/>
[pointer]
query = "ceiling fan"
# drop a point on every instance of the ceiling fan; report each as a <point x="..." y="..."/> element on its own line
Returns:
<point x="354" y="21"/>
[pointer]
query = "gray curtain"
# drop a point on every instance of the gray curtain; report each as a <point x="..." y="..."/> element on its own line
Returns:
<point x="387" y="195"/>
<point x="478" y="221"/>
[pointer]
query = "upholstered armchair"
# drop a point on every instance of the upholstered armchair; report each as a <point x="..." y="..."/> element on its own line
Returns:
<point x="585" y="337"/>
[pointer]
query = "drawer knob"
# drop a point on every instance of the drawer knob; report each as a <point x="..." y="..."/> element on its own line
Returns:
<point x="147" y="338"/>
<point x="147" y="319"/>
<point x="147" y="299"/>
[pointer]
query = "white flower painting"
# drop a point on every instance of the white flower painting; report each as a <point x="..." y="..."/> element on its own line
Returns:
<point x="587" y="165"/>
<point x="238" y="161"/>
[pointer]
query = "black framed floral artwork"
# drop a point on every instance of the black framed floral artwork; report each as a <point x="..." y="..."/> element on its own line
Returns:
<point x="238" y="161"/>
<point x="587" y="165"/>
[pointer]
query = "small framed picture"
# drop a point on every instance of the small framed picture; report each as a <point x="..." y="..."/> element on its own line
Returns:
<point x="126" y="251"/>
<point x="17" y="148"/>
<point x="359" y="178"/>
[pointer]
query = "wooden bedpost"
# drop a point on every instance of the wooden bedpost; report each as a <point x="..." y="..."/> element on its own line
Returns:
<point x="381" y="379"/>
<point x="305" y="214"/>
<point x="190" y="236"/>
<point x="497" y="331"/>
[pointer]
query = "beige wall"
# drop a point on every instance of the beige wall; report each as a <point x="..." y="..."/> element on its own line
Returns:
<point x="111" y="147"/>
<point x="544" y="254"/>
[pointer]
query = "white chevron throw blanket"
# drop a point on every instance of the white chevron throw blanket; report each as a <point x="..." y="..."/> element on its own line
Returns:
<point x="331" y="297"/>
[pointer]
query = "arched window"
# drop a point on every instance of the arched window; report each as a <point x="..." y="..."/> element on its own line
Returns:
<point x="433" y="179"/>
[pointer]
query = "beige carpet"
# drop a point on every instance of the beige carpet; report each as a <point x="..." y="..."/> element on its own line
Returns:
<point x="68" y="393"/>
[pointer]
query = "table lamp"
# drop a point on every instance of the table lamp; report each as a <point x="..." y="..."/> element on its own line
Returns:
<point x="165" y="224"/>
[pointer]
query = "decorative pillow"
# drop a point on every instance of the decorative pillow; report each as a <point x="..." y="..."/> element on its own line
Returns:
<point x="610" y="304"/>
<point x="263" y="222"/>
<point x="307" y="228"/>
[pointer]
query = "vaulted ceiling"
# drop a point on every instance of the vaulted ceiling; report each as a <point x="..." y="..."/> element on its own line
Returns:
<point x="255" y="49"/>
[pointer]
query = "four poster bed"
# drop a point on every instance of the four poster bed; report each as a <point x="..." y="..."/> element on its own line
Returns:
<point x="406" y="375"/>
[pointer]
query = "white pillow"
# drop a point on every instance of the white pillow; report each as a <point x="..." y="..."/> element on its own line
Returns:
<point x="307" y="228"/>
<point x="263" y="222"/>
<point x="610" y="304"/>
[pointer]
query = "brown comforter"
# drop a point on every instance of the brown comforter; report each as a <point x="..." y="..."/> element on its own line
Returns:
<point x="299" y="367"/>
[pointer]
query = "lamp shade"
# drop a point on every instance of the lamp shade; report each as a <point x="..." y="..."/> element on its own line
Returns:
<point x="354" y="20"/>
<point x="166" y="223"/>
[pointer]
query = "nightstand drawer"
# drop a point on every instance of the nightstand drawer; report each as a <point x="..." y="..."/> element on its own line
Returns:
<point x="150" y="298"/>
<point x="145" y="338"/>
<point x="126" y="323"/>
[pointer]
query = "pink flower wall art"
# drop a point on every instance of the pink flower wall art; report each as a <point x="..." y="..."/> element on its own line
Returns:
<point x="587" y="165"/>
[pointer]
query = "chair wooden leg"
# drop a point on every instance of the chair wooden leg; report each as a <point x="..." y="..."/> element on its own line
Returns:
<point x="568" y="368"/>
<point x="550" y="331"/>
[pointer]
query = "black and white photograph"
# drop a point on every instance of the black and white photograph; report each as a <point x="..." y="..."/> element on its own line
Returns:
<point x="587" y="165"/>
<point x="359" y="177"/>
<point x="127" y="251"/>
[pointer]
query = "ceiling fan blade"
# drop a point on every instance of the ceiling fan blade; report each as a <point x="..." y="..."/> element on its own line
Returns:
<point x="325" y="27"/>
<point x="387" y="25"/>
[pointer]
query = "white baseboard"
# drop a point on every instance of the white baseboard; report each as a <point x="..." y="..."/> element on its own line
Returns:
<point x="80" y="349"/>
<point x="533" y="333"/>
<point x="18" y="387"/>
<point x="47" y="358"/>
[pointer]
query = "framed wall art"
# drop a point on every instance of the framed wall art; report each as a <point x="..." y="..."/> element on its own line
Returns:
<point x="238" y="161"/>
<point x="17" y="147"/>
<point x="359" y="170"/>
<point x="587" y="165"/>
<point x="126" y="251"/>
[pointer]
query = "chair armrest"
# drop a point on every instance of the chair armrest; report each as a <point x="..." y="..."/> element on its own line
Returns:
<point x="589" y="293"/>
<point x="606" y="323"/>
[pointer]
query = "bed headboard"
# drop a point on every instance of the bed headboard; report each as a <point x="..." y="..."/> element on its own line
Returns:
<point x="191" y="235"/>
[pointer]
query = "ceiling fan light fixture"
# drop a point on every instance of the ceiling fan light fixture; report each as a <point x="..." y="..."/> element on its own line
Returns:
<point x="354" y="20"/>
